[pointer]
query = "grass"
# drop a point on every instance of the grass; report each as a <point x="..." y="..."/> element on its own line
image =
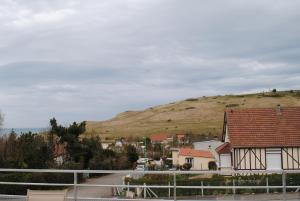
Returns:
<point x="201" y="116"/>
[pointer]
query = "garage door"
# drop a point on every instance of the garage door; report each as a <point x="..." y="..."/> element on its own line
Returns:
<point x="273" y="159"/>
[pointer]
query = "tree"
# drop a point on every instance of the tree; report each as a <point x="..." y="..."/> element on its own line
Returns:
<point x="91" y="148"/>
<point x="32" y="151"/>
<point x="186" y="166"/>
<point x="157" y="147"/>
<point x="212" y="165"/>
<point x="175" y="141"/>
<point x="132" y="154"/>
<point x="1" y="119"/>
<point x="157" y="151"/>
<point x="10" y="151"/>
<point x="147" y="143"/>
<point x="104" y="160"/>
<point x="70" y="136"/>
<point x="25" y="151"/>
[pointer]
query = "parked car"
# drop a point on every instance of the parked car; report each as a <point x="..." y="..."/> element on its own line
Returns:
<point x="140" y="167"/>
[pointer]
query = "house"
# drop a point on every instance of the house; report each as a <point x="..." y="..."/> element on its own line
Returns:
<point x="59" y="153"/>
<point x="224" y="159"/>
<point x="199" y="159"/>
<point x="162" y="138"/>
<point x="106" y="144"/>
<point x="209" y="145"/>
<point x="182" y="139"/>
<point x="120" y="142"/>
<point x="261" y="139"/>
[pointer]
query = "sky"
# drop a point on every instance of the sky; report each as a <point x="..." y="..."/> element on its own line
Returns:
<point x="82" y="60"/>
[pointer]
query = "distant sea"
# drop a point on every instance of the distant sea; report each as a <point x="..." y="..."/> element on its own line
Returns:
<point x="19" y="131"/>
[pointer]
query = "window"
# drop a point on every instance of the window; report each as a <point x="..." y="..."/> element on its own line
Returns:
<point x="273" y="159"/>
<point x="189" y="160"/>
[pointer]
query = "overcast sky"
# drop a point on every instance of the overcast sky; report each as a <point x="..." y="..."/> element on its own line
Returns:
<point x="91" y="59"/>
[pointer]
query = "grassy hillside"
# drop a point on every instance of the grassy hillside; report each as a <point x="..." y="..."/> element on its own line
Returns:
<point x="195" y="115"/>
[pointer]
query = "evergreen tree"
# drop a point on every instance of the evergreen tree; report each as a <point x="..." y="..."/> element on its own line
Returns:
<point x="132" y="154"/>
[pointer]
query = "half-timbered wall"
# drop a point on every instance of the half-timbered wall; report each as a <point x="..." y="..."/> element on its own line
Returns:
<point x="255" y="158"/>
<point x="249" y="158"/>
<point x="290" y="158"/>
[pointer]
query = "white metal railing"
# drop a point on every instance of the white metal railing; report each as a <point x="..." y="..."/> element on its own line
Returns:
<point x="75" y="183"/>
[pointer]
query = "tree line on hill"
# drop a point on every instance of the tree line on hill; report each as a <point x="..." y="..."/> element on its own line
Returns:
<point x="31" y="150"/>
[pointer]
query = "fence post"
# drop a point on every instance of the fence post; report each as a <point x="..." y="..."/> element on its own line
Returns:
<point x="202" y="192"/>
<point x="145" y="191"/>
<point x="267" y="184"/>
<point x="233" y="186"/>
<point x="174" y="191"/>
<point x="75" y="186"/>
<point x="284" y="185"/>
<point x="127" y="188"/>
<point x="169" y="189"/>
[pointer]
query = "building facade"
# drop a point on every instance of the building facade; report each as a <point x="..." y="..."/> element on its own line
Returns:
<point x="199" y="159"/>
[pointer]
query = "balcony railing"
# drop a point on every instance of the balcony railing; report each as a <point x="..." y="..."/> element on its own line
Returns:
<point x="172" y="187"/>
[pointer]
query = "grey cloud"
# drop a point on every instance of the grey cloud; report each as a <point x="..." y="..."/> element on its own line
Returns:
<point x="80" y="60"/>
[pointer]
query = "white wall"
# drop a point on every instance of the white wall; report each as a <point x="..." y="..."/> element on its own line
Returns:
<point x="226" y="135"/>
<point x="175" y="156"/>
<point x="200" y="163"/>
<point x="225" y="160"/>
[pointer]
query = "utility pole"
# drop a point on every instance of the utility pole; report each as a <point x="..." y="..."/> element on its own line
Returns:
<point x="145" y="142"/>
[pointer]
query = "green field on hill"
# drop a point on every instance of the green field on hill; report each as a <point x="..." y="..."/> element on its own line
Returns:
<point x="201" y="116"/>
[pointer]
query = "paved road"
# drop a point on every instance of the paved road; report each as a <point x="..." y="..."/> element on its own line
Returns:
<point x="97" y="192"/>
<point x="93" y="192"/>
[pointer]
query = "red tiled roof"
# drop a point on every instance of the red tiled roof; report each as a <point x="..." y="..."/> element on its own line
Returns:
<point x="195" y="153"/>
<point x="159" y="137"/>
<point x="224" y="148"/>
<point x="267" y="127"/>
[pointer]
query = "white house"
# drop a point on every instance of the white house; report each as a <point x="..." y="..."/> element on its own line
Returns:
<point x="261" y="139"/>
<point x="199" y="159"/>
<point x="209" y="145"/>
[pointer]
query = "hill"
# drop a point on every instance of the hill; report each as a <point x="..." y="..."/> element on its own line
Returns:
<point x="202" y="116"/>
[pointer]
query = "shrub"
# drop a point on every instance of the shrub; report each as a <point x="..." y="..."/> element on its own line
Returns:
<point x="192" y="99"/>
<point x="190" y="108"/>
<point x="232" y="105"/>
<point x="186" y="166"/>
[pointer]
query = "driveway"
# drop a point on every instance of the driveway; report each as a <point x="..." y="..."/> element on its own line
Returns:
<point x="97" y="192"/>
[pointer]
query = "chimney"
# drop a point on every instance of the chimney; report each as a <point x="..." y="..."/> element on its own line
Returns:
<point x="278" y="109"/>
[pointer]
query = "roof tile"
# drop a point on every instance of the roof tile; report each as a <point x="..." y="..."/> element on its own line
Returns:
<point x="195" y="153"/>
<point x="264" y="127"/>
